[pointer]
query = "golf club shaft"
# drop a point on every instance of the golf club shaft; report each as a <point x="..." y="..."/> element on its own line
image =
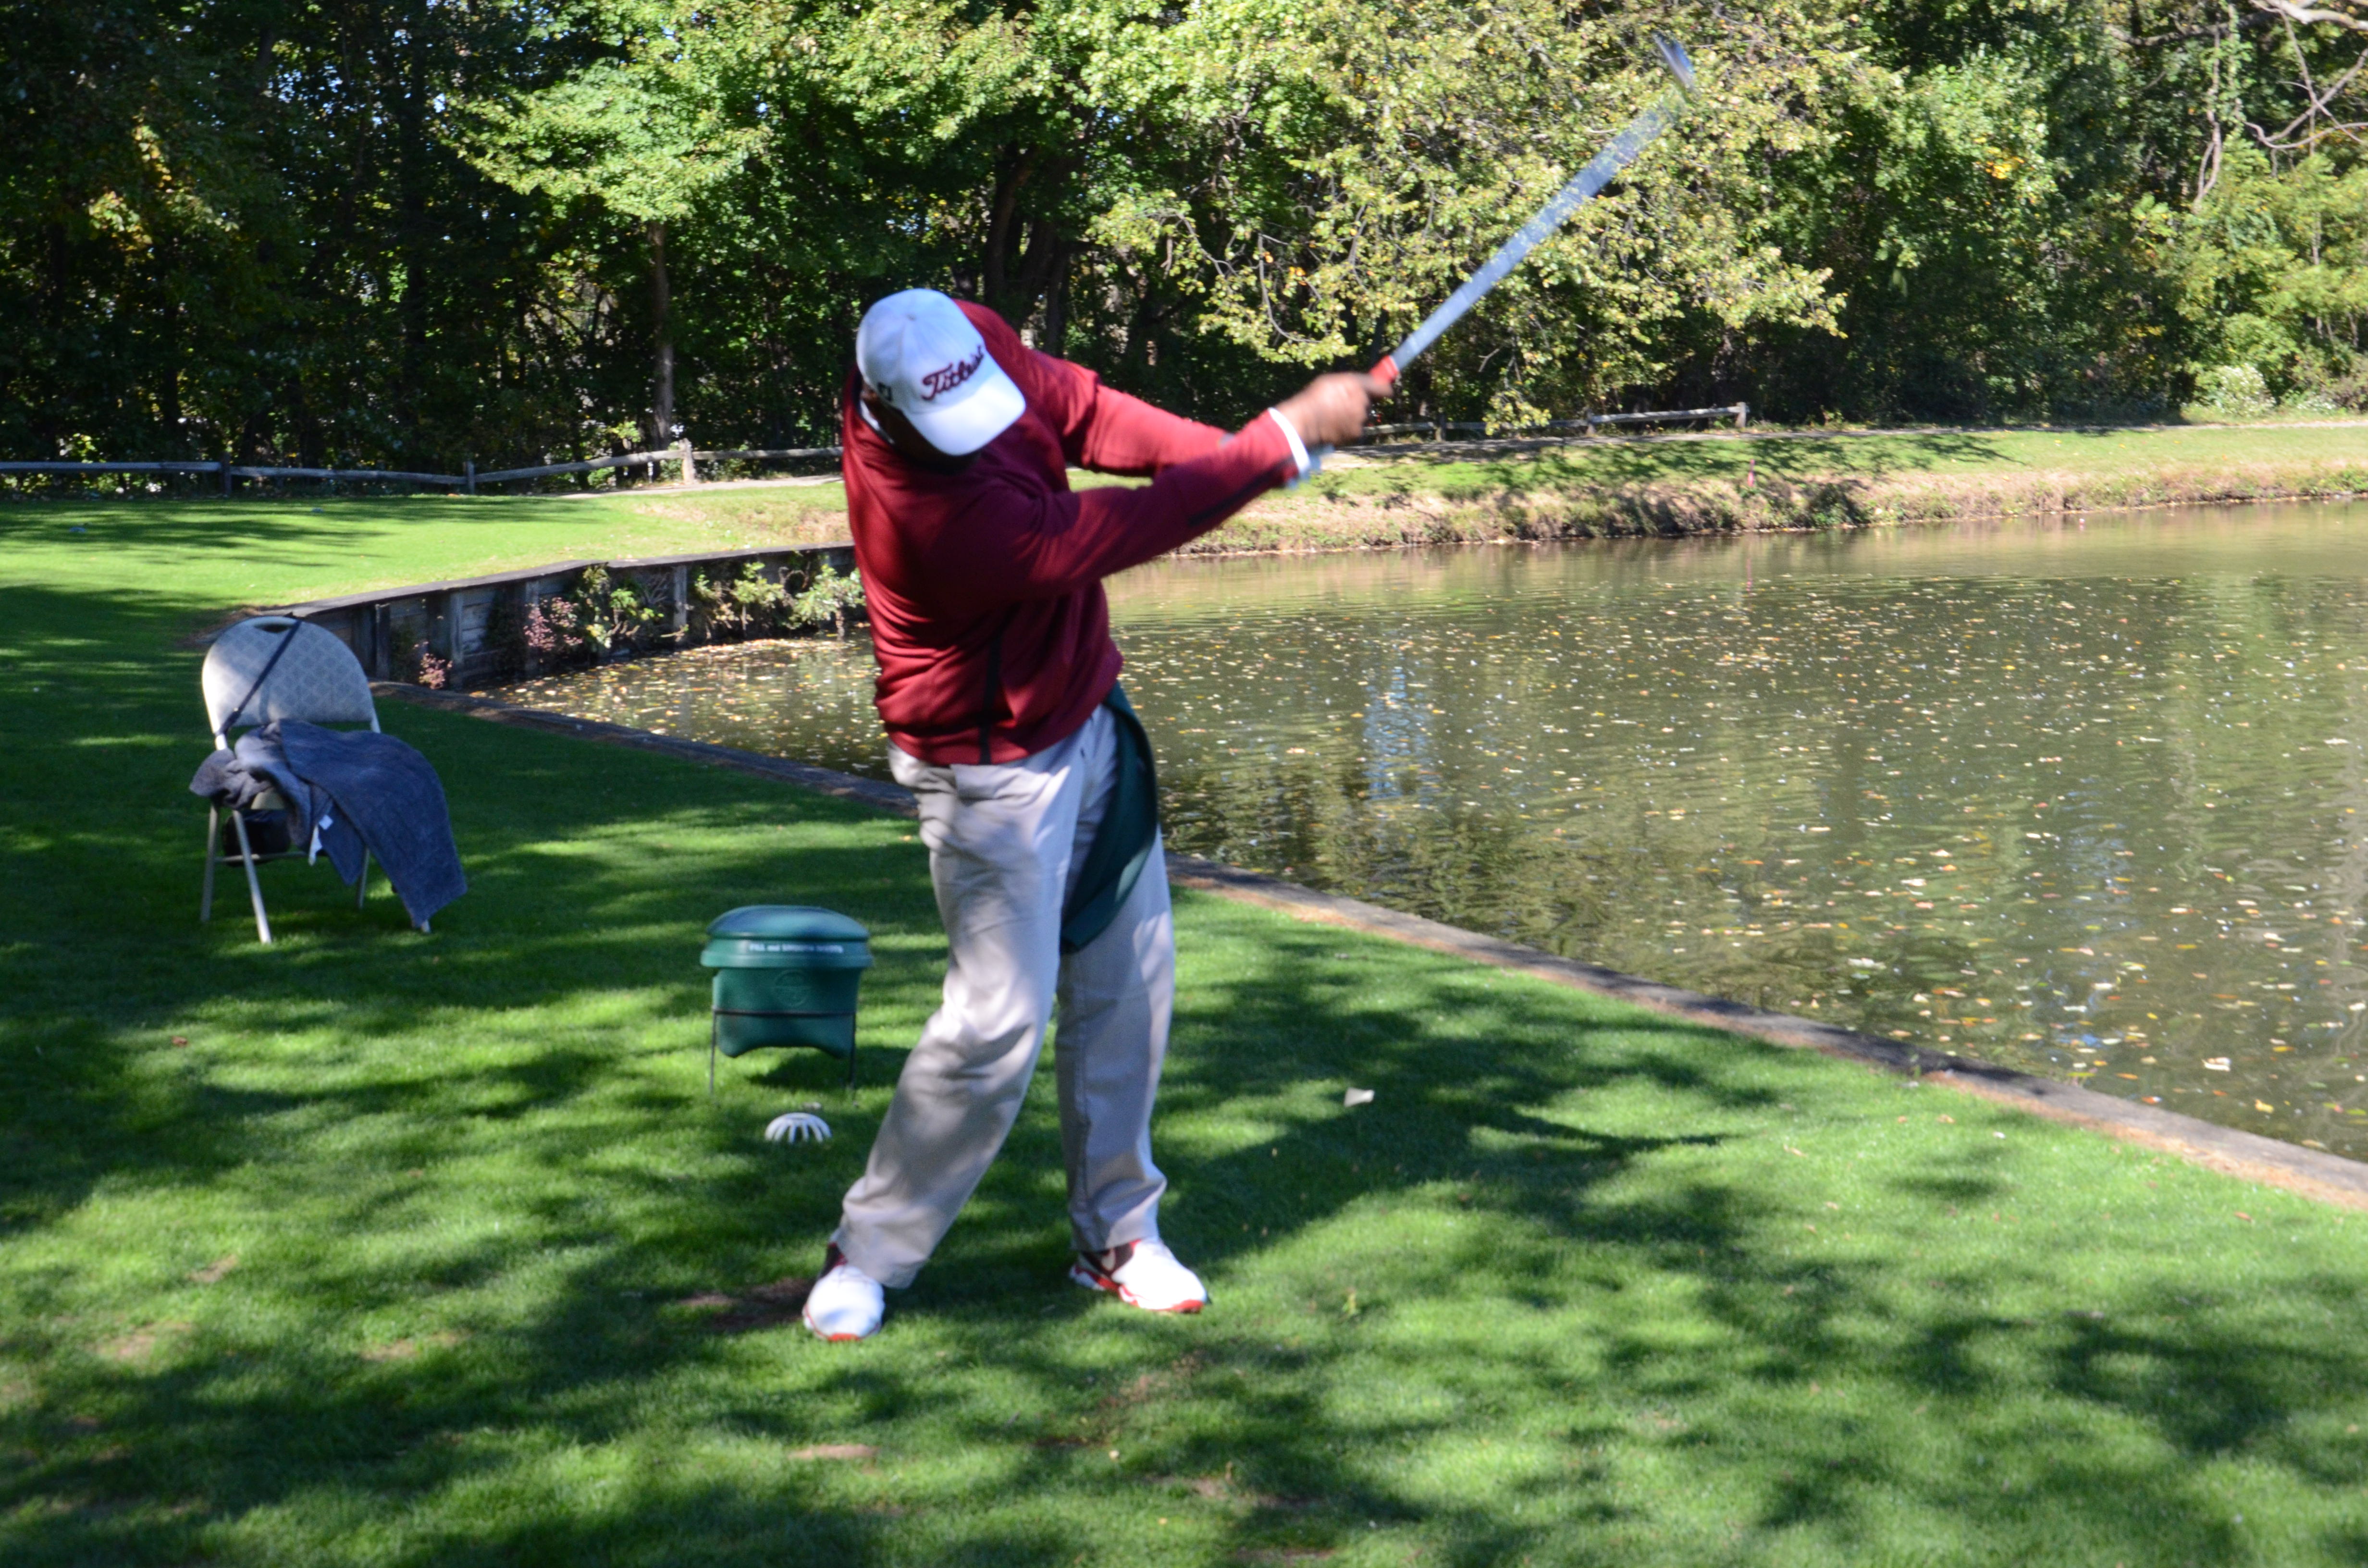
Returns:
<point x="1657" y="116"/>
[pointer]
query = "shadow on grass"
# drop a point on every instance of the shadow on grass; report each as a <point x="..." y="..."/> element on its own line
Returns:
<point x="475" y="1178"/>
<point x="209" y="555"/>
<point x="199" y="526"/>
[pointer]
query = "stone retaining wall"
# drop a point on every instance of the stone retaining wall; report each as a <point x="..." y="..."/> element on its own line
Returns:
<point x="475" y="624"/>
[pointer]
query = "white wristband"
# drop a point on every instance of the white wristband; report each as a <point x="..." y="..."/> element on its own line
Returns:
<point x="1298" y="448"/>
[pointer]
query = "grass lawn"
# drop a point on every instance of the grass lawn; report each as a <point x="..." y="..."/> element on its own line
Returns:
<point x="262" y="550"/>
<point x="2085" y="454"/>
<point x="377" y="1249"/>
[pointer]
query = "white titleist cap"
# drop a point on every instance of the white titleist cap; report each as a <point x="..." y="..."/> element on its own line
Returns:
<point x="920" y="355"/>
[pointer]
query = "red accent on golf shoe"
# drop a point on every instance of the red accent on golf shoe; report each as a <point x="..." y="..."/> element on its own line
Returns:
<point x="831" y="1258"/>
<point x="1090" y="1272"/>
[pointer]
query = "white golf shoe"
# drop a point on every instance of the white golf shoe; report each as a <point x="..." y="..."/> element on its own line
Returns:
<point x="845" y="1303"/>
<point x="1142" y="1274"/>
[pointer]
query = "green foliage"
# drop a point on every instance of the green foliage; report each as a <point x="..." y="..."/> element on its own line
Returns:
<point x="2235" y="391"/>
<point x="759" y="603"/>
<point x="244" y="230"/>
<point x="613" y="617"/>
<point x="416" y="233"/>
<point x="829" y="596"/>
<point x="641" y="125"/>
<point x="2275" y="263"/>
<point x="745" y="606"/>
<point x="1370" y="160"/>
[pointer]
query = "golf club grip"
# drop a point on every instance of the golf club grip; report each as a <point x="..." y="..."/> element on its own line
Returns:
<point x="1384" y="370"/>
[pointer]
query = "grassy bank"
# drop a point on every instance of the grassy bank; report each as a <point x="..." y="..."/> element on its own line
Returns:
<point x="1382" y="496"/>
<point x="1408" y="496"/>
<point x="380" y="1248"/>
<point x="1414" y="494"/>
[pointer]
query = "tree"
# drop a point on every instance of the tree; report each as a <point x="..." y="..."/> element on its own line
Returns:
<point x="407" y="232"/>
<point x="638" y="123"/>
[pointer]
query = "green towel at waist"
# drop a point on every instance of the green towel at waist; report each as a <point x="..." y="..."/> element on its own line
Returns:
<point x="1122" y="842"/>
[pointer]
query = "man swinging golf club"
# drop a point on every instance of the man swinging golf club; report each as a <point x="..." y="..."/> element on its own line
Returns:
<point x="998" y="688"/>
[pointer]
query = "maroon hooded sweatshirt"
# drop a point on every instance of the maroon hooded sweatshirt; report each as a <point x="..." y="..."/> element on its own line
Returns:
<point x="985" y="587"/>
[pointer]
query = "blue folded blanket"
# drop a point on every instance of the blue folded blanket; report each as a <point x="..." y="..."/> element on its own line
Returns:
<point x="345" y="789"/>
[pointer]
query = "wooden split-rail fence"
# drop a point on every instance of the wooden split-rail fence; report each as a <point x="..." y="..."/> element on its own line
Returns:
<point x="470" y="478"/>
<point x="1589" y="423"/>
<point x="467" y="481"/>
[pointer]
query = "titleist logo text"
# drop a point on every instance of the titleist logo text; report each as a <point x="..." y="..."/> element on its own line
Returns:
<point x="947" y="378"/>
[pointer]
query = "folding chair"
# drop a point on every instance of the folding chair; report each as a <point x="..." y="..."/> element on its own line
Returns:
<point x="275" y="667"/>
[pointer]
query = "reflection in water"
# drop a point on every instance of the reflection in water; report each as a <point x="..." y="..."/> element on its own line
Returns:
<point x="2083" y="799"/>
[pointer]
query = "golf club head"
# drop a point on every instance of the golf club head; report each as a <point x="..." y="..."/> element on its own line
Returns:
<point x="1673" y="55"/>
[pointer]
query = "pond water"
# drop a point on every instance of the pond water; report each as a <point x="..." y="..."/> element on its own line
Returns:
<point x="2087" y="797"/>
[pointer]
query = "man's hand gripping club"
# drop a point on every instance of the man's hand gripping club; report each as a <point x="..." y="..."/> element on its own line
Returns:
<point x="1330" y="410"/>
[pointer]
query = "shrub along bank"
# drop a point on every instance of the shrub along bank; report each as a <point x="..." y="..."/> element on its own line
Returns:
<point x="399" y="1249"/>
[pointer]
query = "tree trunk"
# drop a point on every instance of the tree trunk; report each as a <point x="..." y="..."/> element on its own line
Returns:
<point x="1056" y="304"/>
<point x="415" y="244"/>
<point x="1003" y="234"/>
<point x="662" y="325"/>
<point x="171" y="322"/>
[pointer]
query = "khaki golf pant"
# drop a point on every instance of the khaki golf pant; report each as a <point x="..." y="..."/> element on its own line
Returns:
<point x="1005" y="842"/>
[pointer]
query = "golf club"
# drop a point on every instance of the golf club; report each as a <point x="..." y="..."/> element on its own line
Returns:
<point x="1656" y="117"/>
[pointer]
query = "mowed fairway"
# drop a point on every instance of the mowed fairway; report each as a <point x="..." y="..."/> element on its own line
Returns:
<point x="376" y="1248"/>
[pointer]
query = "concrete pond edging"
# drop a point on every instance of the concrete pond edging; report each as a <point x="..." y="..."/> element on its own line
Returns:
<point x="2313" y="1173"/>
<point x="473" y="623"/>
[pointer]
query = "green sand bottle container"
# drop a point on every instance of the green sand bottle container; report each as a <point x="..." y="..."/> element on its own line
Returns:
<point x="785" y="975"/>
